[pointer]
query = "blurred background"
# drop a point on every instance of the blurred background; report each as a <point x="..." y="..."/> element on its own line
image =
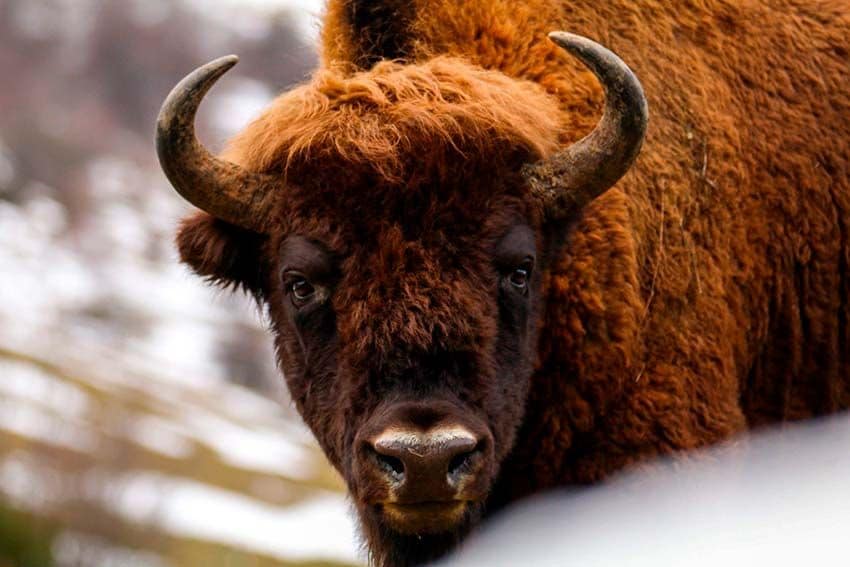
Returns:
<point x="142" y="422"/>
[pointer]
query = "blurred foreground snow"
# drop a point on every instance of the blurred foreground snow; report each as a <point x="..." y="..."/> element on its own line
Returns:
<point x="780" y="498"/>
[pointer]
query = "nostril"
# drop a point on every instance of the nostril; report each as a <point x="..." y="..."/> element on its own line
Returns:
<point x="462" y="462"/>
<point x="458" y="462"/>
<point x="384" y="459"/>
<point x="390" y="464"/>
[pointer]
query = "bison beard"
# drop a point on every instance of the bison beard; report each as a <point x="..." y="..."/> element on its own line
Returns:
<point x="464" y="313"/>
<point x="391" y="548"/>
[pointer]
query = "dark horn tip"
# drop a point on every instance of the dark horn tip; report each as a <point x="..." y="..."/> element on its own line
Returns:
<point x="583" y="47"/>
<point x="224" y="63"/>
<point x="567" y="40"/>
<point x="580" y="173"/>
<point x="605" y="64"/>
<point x="188" y="92"/>
<point x="613" y="73"/>
<point x="212" y="185"/>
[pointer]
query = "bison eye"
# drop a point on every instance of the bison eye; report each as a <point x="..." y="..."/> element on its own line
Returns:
<point x="520" y="277"/>
<point x="300" y="289"/>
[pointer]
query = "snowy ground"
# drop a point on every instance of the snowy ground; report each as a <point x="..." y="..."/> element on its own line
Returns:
<point x="283" y="503"/>
<point x="119" y="418"/>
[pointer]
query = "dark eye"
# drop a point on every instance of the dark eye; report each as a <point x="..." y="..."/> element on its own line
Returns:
<point x="300" y="290"/>
<point x="520" y="276"/>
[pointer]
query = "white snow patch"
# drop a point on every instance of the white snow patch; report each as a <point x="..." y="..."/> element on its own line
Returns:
<point x="38" y="425"/>
<point x="160" y="436"/>
<point x="257" y="449"/>
<point x="319" y="528"/>
<point x="244" y="429"/>
<point x="780" y="499"/>
<point x="29" y="384"/>
<point x="38" y="279"/>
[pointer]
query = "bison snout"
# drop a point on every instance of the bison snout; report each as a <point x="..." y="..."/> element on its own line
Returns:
<point x="423" y="467"/>
<point x="438" y="465"/>
<point x="431" y="464"/>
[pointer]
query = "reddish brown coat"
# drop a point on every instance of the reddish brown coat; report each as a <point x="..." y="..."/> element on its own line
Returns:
<point x="708" y="292"/>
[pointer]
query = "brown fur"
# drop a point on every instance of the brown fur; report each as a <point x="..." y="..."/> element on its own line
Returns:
<point x="372" y="122"/>
<point x="723" y="299"/>
<point x="704" y="295"/>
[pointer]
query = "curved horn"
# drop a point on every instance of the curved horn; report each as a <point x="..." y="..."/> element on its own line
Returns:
<point x="572" y="178"/>
<point x="221" y="188"/>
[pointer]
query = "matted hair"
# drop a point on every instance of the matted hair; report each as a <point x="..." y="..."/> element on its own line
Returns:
<point x="394" y="117"/>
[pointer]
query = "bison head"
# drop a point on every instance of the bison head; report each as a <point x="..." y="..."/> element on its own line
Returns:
<point x="396" y="224"/>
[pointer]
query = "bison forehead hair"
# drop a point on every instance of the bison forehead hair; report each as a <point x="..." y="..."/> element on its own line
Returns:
<point x="397" y="121"/>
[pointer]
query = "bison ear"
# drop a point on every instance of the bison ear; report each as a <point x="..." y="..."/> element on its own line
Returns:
<point x="223" y="253"/>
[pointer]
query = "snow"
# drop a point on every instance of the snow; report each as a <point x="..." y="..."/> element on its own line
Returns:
<point x="245" y="430"/>
<point x="28" y="384"/>
<point x="30" y="294"/>
<point x="160" y="436"/>
<point x="36" y="424"/>
<point x="244" y="405"/>
<point x="248" y="433"/>
<point x="779" y="499"/>
<point x="24" y="483"/>
<point x="319" y="528"/>
<point x="98" y="292"/>
<point x="258" y="448"/>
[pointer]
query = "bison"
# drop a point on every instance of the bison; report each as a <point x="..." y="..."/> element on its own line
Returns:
<point x="477" y="292"/>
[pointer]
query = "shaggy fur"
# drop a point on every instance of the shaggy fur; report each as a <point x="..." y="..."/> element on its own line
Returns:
<point x="386" y="122"/>
<point x="704" y="295"/>
<point x="714" y="281"/>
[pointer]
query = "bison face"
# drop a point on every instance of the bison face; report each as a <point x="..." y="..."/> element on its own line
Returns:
<point x="406" y="331"/>
<point x="405" y="328"/>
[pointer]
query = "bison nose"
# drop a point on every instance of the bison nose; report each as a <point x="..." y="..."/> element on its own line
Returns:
<point x="429" y="465"/>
